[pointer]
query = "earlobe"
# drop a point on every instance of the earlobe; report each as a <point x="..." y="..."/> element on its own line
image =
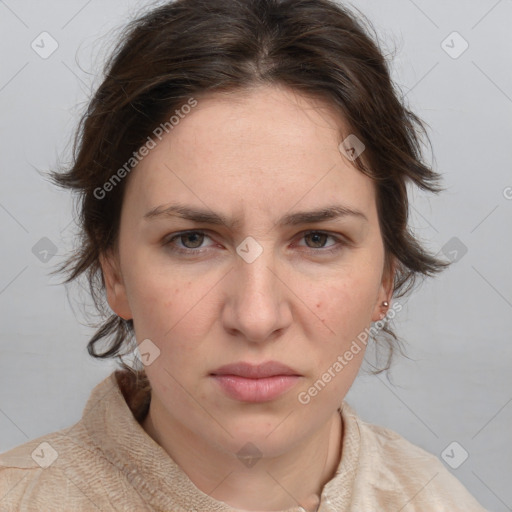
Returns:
<point x="114" y="286"/>
<point x="385" y="293"/>
<point x="380" y="310"/>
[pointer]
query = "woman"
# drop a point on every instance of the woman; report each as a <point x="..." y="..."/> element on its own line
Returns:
<point x="243" y="170"/>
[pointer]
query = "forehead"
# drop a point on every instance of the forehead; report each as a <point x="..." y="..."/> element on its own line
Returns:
<point x="249" y="122"/>
<point x="267" y="145"/>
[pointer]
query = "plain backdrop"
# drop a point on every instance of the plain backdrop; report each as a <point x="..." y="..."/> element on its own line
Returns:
<point x="457" y="384"/>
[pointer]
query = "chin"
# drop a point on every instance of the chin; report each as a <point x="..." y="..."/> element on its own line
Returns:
<point x="272" y="433"/>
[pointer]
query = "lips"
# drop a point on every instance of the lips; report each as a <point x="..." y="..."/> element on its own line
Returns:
<point x="255" y="383"/>
<point x="260" y="371"/>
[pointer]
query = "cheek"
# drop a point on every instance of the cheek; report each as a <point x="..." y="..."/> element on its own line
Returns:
<point x="346" y="308"/>
<point x="337" y="354"/>
<point x="174" y="313"/>
<point x="157" y="303"/>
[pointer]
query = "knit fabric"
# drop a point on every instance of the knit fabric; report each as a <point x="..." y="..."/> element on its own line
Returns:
<point x="107" y="462"/>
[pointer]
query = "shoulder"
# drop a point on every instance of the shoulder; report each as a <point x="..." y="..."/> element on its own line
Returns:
<point x="392" y="469"/>
<point x="53" y="472"/>
<point x="70" y="469"/>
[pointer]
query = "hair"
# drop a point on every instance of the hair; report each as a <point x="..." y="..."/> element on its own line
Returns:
<point x="186" y="49"/>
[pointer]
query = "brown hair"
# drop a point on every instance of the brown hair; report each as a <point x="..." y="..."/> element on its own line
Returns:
<point x="187" y="48"/>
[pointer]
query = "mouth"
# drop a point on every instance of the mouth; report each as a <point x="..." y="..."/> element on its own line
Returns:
<point x="255" y="383"/>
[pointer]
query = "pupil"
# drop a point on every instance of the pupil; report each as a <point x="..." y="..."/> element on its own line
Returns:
<point x="190" y="235"/>
<point x="316" y="235"/>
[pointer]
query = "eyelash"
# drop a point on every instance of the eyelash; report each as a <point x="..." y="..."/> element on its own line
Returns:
<point x="340" y="243"/>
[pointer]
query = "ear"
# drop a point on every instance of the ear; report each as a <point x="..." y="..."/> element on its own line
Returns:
<point x="385" y="290"/>
<point x="114" y="285"/>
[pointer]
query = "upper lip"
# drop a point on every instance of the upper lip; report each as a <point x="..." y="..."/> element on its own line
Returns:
<point x="255" y="371"/>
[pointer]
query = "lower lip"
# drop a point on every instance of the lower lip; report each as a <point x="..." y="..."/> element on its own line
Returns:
<point x="256" y="390"/>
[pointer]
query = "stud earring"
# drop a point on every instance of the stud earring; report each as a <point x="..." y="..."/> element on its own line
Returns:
<point x="384" y="304"/>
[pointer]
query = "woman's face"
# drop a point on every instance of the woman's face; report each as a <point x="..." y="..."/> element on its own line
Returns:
<point x="270" y="281"/>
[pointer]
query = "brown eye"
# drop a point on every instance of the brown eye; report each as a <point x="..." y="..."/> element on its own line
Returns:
<point x="188" y="242"/>
<point x="316" y="243"/>
<point x="195" y="239"/>
<point x="318" y="239"/>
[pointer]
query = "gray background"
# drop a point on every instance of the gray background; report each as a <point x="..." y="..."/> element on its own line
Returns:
<point x="457" y="384"/>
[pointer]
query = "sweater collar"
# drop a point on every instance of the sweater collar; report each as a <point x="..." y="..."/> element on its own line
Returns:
<point x="114" y="429"/>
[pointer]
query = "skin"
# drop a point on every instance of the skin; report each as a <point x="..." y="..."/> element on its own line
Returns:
<point x="253" y="156"/>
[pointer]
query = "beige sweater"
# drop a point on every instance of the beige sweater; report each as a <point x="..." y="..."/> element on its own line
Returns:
<point x="107" y="462"/>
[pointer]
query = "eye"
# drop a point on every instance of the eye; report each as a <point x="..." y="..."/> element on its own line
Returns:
<point x="190" y="240"/>
<point x="318" y="240"/>
<point x="190" y="243"/>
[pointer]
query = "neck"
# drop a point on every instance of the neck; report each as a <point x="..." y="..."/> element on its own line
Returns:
<point x="295" y="478"/>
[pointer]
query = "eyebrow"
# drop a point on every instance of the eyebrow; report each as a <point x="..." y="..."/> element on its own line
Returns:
<point x="201" y="216"/>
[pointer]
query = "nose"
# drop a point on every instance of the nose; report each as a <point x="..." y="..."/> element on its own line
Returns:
<point x="257" y="306"/>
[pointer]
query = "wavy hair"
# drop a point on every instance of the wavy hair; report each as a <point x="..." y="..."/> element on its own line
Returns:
<point x="186" y="48"/>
